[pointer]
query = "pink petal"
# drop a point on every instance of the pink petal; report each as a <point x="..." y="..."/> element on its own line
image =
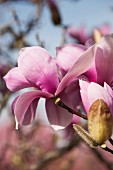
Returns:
<point x="90" y="92"/>
<point x="104" y="60"/>
<point x="30" y="113"/>
<point x="24" y="106"/>
<point x="83" y="85"/>
<point x="73" y="93"/>
<point x="85" y="100"/>
<point x="76" y="119"/>
<point x="67" y="55"/>
<point x="105" y="29"/>
<point x="89" y="43"/>
<point x="95" y="91"/>
<point x="84" y="94"/>
<point x="13" y="104"/>
<point x="57" y="115"/>
<point x="15" y="80"/>
<point x="65" y="99"/>
<point x="109" y="89"/>
<point x="80" y="66"/>
<point x="91" y="73"/>
<point x="79" y="34"/>
<point x="38" y="67"/>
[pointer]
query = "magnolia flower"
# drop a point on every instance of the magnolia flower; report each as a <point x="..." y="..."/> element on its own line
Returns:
<point x="104" y="29"/>
<point x="98" y="102"/>
<point x="103" y="67"/>
<point x="82" y="36"/>
<point x="100" y="70"/>
<point x="90" y="92"/>
<point x="37" y="69"/>
<point x="67" y="55"/>
<point x="79" y="34"/>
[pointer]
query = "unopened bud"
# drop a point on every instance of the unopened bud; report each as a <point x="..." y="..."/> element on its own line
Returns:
<point x="100" y="121"/>
<point x="85" y="136"/>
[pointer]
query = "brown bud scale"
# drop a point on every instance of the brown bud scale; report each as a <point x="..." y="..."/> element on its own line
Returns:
<point x="100" y="121"/>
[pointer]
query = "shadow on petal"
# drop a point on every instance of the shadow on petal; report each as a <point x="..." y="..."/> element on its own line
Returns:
<point x="57" y="115"/>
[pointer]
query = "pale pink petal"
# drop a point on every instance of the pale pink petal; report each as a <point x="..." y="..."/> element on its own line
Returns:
<point x="95" y="91"/>
<point x="24" y="106"/>
<point x="89" y="43"/>
<point x="67" y="55"/>
<point x="85" y="100"/>
<point x="57" y="115"/>
<point x="30" y="113"/>
<point x="84" y="94"/>
<point x="109" y="89"/>
<point x="80" y="66"/>
<point x="39" y="68"/>
<point x="13" y="105"/>
<point x="15" y="80"/>
<point x="76" y="119"/>
<point x="83" y="84"/>
<point x="79" y="34"/>
<point x="105" y="29"/>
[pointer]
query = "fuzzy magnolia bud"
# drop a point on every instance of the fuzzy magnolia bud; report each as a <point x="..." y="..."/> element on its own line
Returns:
<point x="100" y="121"/>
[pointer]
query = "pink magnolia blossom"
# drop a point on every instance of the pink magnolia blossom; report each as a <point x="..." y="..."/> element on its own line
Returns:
<point x="90" y="92"/>
<point x="100" y="70"/>
<point x="37" y="69"/>
<point x="104" y="29"/>
<point x="80" y="34"/>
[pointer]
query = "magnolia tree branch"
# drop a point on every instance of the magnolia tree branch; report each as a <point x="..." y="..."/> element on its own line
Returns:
<point x="61" y="104"/>
<point x="104" y="147"/>
<point x="111" y="141"/>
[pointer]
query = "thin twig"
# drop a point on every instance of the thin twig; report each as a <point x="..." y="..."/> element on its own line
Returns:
<point x="111" y="141"/>
<point x="102" y="159"/>
<point x="104" y="147"/>
<point x="108" y="150"/>
<point x="61" y="104"/>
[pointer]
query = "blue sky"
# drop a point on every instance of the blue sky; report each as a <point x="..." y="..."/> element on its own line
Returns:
<point x="83" y="12"/>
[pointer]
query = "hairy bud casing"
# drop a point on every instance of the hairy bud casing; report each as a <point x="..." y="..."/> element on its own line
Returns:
<point x="100" y="121"/>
